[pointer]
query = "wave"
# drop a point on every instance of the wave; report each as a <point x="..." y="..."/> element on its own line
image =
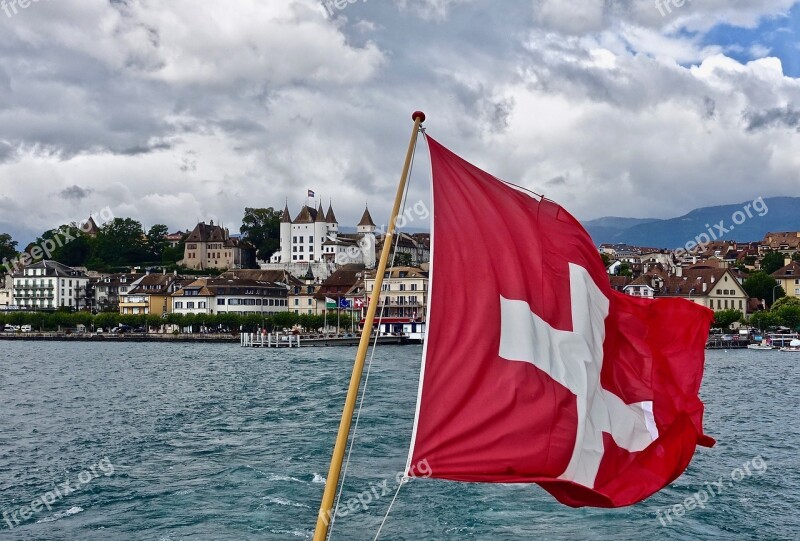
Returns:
<point x="283" y="501"/>
<point x="61" y="514"/>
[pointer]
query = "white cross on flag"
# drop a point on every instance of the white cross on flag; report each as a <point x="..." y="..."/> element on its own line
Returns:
<point x="534" y="369"/>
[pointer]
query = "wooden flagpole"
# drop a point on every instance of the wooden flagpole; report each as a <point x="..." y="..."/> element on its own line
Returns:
<point x="332" y="481"/>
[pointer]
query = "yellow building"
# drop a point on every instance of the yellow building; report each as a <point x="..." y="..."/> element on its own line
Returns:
<point x="151" y="294"/>
<point x="789" y="278"/>
<point x="404" y="293"/>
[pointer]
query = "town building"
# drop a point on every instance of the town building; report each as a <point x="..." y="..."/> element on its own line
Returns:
<point x="346" y="284"/>
<point x="403" y="294"/>
<point x="151" y="294"/>
<point x="786" y="242"/>
<point x="48" y="285"/>
<point x="788" y="278"/>
<point x="174" y="239"/>
<point x="6" y="291"/>
<point x="230" y="296"/>
<point x="301" y="296"/>
<point x="106" y="289"/>
<point x="715" y="288"/>
<point x="414" y="249"/>
<point x="210" y="246"/>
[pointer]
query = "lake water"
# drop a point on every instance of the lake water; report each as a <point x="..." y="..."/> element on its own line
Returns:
<point x="214" y="442"/>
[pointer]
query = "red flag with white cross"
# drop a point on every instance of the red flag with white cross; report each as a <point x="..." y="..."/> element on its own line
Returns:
<point x="534" y="369"/>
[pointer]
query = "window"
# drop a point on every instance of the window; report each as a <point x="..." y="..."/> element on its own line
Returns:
<point x="297" y="302"/>
<point x="178" y="305"/>
<point x="413" y="287"/>
<point x="311" y="240"/>
<point x="220" y="302"/>
<point x="201" y="304"/>
<point x="402" y="287"/>
<point x="310" y="302"/>
<point x="190" y="305"/>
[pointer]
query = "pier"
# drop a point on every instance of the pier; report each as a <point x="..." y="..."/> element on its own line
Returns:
<point x="277" y="340"/>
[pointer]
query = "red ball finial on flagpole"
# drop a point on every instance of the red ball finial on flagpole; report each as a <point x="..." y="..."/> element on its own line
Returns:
<point x="418" y="114"/>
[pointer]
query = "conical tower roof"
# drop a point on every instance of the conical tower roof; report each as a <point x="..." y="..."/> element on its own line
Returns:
<point x="366" y="219"/>
<point x="309" y="273"/>
<point x="286" y="218"/>
<point x="320" y="214"/>
<point x="306" y="215"/>
<point x="331" y="218"/>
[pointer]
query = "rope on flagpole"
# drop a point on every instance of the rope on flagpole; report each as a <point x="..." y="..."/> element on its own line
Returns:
<point x="391" y="504"/>
<point x="369" y="368"/>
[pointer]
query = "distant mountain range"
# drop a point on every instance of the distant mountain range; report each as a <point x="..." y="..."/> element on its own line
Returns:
<point x="779" y="214"/>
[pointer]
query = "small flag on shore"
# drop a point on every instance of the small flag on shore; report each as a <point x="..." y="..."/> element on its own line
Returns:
<point x="359" y="303"/>
<point x="310" y="193"/>
<point x="344" y="303"/>
<point x="330" y="303"/>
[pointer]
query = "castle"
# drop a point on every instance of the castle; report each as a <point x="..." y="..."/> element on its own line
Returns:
<point x="313" y="240"/>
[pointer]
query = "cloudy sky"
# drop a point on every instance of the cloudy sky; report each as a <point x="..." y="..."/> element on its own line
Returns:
<point x="170" y="112"/>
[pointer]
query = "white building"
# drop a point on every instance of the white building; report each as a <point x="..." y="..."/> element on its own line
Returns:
<point x="225" y="295"/>
<point x="6" y="291"/>
<point x="49" y="285"/>
<point x="313" y="237"/>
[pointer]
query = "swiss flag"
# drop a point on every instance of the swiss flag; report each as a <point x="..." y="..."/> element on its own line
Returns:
<point x="534" y="369"/>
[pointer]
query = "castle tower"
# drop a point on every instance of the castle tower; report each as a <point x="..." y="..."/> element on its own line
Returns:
<point x="286" y="235"/>
<point x="320" y="232"/>
<point x="366" y="230"/>
<point x="333" y="225"/>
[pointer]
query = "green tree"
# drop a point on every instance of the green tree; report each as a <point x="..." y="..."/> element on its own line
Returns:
<point x="121" y="242"/>
<point x="786" y="301"/>
<point x="625" y="270"/>
<point x="606" y="259"/>
<point x="67" y="245"/>
<point x="156" y="241"/>
<point x="402" y="259"/>
<point x="170" y="255"/>
<point x="789" y="315"/>
<point x="725" y="318"/>
<point x="8" y="247"/>
<point x="772" y="261"/>
<point x="765" y="320"/>
<point x="760" y="285"/>
<point x="262" y="227"/>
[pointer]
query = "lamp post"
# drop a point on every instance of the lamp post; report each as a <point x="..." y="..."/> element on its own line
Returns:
<point x="773" y="295"/>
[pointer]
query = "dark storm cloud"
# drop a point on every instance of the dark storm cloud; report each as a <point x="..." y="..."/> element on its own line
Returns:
<point x="75" y="193"/>
<point x="786" y="117"/>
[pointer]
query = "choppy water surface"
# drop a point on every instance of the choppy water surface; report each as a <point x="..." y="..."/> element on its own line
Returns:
<point x="207" y="442"/>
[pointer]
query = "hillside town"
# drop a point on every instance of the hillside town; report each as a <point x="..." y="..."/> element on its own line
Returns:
<point x="319" y="270"/>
